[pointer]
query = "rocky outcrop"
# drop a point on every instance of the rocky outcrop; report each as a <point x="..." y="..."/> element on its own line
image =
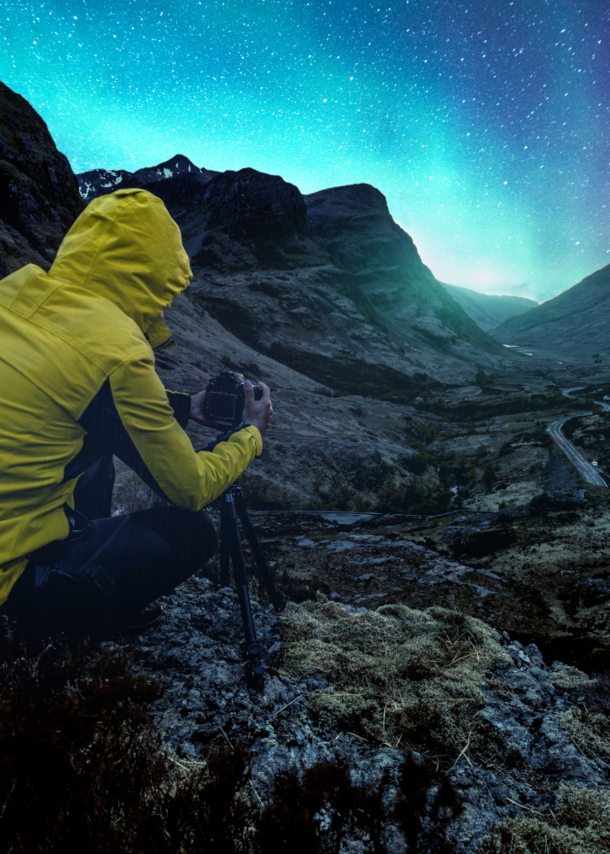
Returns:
<point x="39" y="197"/>
<point x="489" y="311"/>
<point x="241" y="221"/>
<point x="367" y="686"/>
<point x="96" y="182"/>
<point x="575" y="322"/>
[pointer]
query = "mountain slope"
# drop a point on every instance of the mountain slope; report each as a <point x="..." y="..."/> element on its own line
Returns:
<point x="327" y="284"/>
<point x="576" y="321"/>
<point x="39" y="198"/>
<point x="486" y="310"/>
<point x="353" y="224"/>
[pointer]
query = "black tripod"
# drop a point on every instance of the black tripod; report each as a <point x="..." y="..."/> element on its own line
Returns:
<point x="232" y="508"/>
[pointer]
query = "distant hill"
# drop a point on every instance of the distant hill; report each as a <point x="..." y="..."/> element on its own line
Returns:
<point x="577" y="321"/>
<point x="489" y="311"/>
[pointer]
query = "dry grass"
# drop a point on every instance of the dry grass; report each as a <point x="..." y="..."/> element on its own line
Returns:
<point x="396" y="675"/>
<point x="581" y="825"/>
<point x="568" y="678"/>
<point x="588" y="725"/>
<point x="589" y="730"/>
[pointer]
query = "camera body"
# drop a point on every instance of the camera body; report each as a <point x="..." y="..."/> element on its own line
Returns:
<point x="225" y="398"/>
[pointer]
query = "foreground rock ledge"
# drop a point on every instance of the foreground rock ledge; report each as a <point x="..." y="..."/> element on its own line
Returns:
<point x="527" y="745"/>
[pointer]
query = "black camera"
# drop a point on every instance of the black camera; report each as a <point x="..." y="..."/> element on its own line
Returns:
<point x="225" y="398"/>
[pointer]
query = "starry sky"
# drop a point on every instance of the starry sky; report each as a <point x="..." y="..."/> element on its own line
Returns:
<point x="486" y="124"/>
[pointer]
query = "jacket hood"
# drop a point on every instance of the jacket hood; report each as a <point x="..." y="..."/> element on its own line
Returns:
<point x="126" y="247"/>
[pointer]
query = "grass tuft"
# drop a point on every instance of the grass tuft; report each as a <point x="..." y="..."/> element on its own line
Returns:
<point x="396" y="676"/>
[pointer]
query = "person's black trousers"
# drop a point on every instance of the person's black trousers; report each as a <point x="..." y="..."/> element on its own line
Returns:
<point x="109" y="568"/>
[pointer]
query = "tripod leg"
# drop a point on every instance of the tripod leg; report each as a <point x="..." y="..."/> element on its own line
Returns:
<point x="225" y="543"/>
<point x="278" y="600"/>
<point x="252" y="649"/>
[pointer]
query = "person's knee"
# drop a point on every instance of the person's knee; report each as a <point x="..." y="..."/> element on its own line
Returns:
<point x="198" y="536"/>
<point x="191" y="534"/>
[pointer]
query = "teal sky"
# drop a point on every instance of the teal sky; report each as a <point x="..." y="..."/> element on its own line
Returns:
<point x="486" y="125"/>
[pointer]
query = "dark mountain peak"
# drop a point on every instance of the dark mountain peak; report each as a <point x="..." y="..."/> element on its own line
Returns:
<point x="39" y="198"/>
<point x="349" y="196"/>
<point x="250" y="204"/>
<point x="172" y="168"/>
<point x="355" y="227"/>
<point x="240" y="219"/>
<point x="176" y="165"/>
<point x="96" y="182"/>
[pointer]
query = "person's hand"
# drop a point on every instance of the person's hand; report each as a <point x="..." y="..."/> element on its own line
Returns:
<point x="257" y="412"/>
<point x="197" y="409"/>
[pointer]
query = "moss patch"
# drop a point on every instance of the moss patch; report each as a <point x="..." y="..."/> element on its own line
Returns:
<point x="589" y="730"/>
<point x="396" y="675"/>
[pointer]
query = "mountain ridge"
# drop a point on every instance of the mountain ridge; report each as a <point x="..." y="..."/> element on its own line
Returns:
<point x="319" y="279"/>
<point x="96" y="182"/>
<point x="488" y="310"/>
<point x="39" y="196"/>
<point x="574" y="322"/>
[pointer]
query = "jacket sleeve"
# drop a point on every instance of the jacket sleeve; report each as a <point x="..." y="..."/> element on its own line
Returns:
<point x="189" y="479"/>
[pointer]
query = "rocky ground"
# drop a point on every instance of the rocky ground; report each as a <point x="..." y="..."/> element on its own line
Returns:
<point x="525" y="744"/>
<point x="477" y="637"/>
<point x="475" y="640"/>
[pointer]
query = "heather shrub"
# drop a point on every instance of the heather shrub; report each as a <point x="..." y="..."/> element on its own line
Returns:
<point x="85" y="767"/>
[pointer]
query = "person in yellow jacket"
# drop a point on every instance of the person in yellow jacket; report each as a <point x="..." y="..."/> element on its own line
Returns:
<point x="77" y="385"/>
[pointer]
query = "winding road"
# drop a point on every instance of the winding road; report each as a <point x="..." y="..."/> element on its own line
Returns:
<point x="589" y="472"/>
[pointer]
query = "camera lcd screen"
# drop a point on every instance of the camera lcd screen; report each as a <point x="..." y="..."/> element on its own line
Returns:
<point x="222" y="404"/>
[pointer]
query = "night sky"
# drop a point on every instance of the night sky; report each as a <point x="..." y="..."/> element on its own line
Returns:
<point x="485" y="124"/>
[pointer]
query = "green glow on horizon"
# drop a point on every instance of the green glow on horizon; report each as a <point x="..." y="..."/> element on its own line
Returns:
<point x="487" y="135"/>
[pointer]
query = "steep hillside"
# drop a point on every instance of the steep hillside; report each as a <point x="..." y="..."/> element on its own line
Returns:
<point x="355" y="227"/>
<point x="486" y="310"/>
<point x="327" y="284"/>
<point x="575" y="322"/>
<point x="39" y="198"/>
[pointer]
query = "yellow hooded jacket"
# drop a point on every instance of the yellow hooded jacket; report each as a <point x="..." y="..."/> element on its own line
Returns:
<point x="95" y="319"/>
